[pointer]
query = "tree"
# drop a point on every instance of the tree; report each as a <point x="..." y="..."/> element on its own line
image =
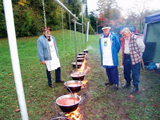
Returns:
<point x="108" y="7"/>
<point x="3" y="32"/>
<point x="93" y="20"/>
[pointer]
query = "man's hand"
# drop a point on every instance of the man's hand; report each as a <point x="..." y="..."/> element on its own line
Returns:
<point x="43" y="62"/>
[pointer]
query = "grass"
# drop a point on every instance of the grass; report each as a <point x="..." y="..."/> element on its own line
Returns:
<point x="101" y="103"/>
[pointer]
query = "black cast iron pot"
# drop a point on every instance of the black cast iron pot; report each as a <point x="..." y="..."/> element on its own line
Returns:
<point x="73" y="86"/>
<point x="80" y="56"/>
<point x="70" y="107"/>
<point x="80" y="59"/>
<point x="81" y="53"/>
<point x="85" y="51"/>
<point x="60" y="118"/>
<point x="78" y="76"/>
<point x="78" y="64"/>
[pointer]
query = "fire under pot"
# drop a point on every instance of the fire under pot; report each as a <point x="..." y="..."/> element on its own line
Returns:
<point x="73" y="86"/>
<point x="68" y="103"/>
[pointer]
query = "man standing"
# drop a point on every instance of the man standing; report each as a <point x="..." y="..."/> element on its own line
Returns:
<point x="109" y="47"/>
<point x="132" y="49"/>
<point x="48" y="55"/>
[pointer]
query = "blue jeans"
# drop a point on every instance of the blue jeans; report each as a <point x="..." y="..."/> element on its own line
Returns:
<point x="57" y="75"/>
<point x="128" y="68"/>
<point x="112" y="74"/>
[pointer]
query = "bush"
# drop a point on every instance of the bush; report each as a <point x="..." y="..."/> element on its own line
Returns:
<point x="27" y="22"/>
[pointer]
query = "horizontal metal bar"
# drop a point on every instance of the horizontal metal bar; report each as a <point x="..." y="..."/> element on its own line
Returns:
<point x="73" y="20"/>
<point x="63" y="6"/>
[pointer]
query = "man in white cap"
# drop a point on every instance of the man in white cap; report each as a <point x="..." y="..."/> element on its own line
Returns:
<point x="109" y="47"/>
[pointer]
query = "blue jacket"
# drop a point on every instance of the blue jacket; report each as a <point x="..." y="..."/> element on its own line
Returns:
<point x="115" y="48"/>
<point x="42" y="48"/>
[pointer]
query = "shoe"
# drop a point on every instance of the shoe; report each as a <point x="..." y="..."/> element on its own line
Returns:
<point x="50" y="85"/>
<point x="116" y="87"/>
<point x="126" y="85"/>
<point x="109" y="83"/>
<point x="60" y="81"/>
<point x="135" y="89"/>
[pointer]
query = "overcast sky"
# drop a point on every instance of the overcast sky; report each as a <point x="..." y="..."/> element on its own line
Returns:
<point x="125" y="5"/>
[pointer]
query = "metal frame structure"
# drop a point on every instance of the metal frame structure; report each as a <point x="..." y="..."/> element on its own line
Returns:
<point x="14" y="53"/>
<point x="14" y="57"/>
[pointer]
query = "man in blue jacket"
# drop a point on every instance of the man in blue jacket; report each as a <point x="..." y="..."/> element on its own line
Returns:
<point x="109" y="47"/>
<point x="48" y="55"/>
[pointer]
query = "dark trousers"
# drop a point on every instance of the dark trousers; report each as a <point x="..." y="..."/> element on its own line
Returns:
<point x="57" y="75"/>
<point x="129" y="68"/>
<point x="112" y="74"/>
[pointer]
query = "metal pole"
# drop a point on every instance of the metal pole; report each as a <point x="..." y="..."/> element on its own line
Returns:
<point x="97" y="27"/>
<point x="14" y="57"/>
<point x="87" y="31"/>
<point x="62" y="5"/>
<point x="82" y="27"/>
<point x="76" y="22"/>
<point x="75" y="43"/>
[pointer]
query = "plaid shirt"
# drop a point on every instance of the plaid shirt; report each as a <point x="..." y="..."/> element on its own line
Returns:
<point x="134" y="50"/>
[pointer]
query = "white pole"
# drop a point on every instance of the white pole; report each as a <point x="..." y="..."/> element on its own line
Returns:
<point x="82" y="28"/>
<point x="14" y="57"/>
<point x="87" y="31"/>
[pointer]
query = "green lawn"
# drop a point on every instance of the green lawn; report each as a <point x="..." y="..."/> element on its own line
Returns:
<point x="100" y="103"/>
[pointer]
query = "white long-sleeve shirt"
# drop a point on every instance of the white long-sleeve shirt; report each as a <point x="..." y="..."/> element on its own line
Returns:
<point x="139" y="42"/>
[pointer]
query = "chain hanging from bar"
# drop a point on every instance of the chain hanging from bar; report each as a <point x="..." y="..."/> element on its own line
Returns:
<point x="44" y="16"/>
<point x="70" y="28"/>
<point x="63" y="39"/>
<point x="45" y="24"/>
<point x="54" y="98"/>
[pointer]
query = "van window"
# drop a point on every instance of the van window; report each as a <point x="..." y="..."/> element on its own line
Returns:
<point x="118" y="30"/>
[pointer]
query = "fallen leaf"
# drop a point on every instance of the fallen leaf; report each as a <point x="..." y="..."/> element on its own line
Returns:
<point x="28" y="101"/>
<point x="131" y="96"/>
<point x="30" y="86"/>
<point x="155" y="105"/>
<point x="11" y="74"/>
<point x="17" y="110"/>
<point x="2" y="96"/>
<point x="151" y="99"/>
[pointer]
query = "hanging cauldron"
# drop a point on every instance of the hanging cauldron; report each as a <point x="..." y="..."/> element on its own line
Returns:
<point x="68" y="103"/>
<point x="80" y="59"/>
<point x="81" y="53"/>
<point x="80" y="56"/>
<point x="78" y="64"/>
<point x="78" y="76"/>
<point x="73" y="86"/>
<point x="85" y="51"/>
<point x="60" y="118"/>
